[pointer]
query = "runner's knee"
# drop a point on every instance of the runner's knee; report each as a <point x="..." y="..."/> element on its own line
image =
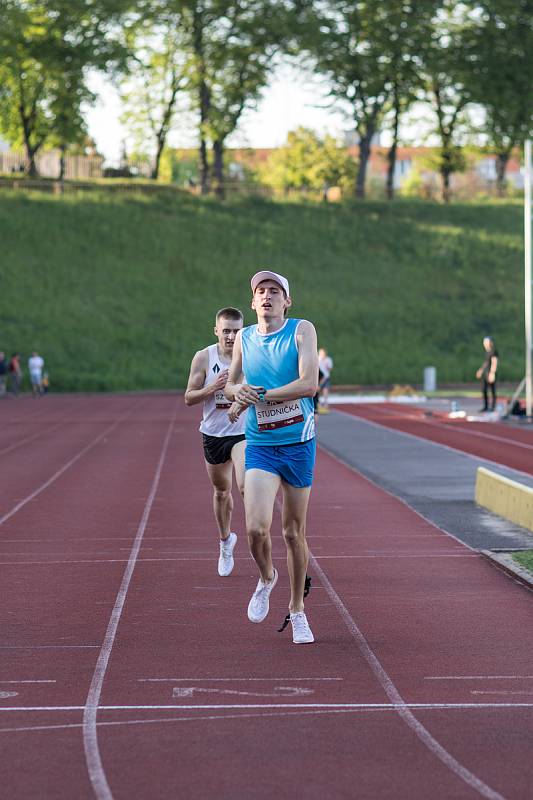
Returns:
<point x="257" y="531"/>
<point x="293" y="534"/>
<point x="221" y="494"/>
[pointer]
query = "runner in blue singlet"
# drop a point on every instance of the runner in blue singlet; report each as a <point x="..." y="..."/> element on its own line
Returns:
<point x="279" y="358"/>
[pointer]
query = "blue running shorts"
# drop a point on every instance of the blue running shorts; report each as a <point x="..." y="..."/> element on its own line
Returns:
<point x="294" y="463"/>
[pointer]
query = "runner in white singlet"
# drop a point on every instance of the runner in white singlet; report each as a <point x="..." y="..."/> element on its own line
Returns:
<point x="223" y="440"/>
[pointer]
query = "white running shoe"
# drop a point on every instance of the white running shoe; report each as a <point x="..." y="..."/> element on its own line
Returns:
<point x="225" y="559"/>
<point x="259" y="604"/>
<point x="301" y="632"/>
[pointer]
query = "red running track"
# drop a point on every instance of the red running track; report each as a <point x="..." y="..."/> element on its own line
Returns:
<point x="129" y="669"/>
<point x="495" y="441"/>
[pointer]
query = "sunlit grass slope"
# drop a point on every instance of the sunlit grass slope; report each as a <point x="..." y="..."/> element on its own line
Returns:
<point x="117" y="292"/>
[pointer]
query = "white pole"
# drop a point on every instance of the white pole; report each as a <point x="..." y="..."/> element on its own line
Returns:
<point x="527" y="272"/>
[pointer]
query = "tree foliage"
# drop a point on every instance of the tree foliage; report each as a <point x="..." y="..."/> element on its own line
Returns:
<point x="308" y="163"/>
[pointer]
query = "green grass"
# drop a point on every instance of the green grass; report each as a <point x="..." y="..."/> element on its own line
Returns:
<point x="525" y="559"/>
<point x="118" y="291"/>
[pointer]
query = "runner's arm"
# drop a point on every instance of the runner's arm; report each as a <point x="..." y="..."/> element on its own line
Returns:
<point x="307" y="384"/>
<point x="235" y="390"/>
<point x="196" y="392"/>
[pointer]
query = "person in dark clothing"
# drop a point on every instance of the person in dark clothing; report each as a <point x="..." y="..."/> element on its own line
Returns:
<point x="487" y="373"/>
<point x="3" y="373"/>
<point x="15" y="373"/>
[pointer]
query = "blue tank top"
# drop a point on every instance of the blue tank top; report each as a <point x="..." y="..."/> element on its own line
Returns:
<point x="271" y="360"/>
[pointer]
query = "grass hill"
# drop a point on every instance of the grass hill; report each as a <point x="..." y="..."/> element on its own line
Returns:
<point x="117" y="292"/>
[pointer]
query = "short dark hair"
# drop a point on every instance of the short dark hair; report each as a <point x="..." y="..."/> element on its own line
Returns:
<point x="230" y="313"/>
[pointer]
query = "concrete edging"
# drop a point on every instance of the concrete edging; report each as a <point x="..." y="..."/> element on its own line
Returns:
<point x="506" y="562"/>
<point x="509" y="499"/>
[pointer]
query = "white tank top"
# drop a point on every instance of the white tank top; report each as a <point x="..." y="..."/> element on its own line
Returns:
<point x="215" y="421"/>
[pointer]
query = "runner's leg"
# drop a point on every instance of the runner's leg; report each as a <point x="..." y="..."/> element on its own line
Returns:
<point x="237" y="456"/>
<point x="295" y="502"/>
<point x="220" y="477"/>
<point x="260" y="492"/>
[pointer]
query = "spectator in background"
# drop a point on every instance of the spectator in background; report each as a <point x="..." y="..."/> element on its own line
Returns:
<point x="487" y="373"/>
<point x="35" y="366"/>
<point x="325" y="365"/>
<point x="15" y="373"/>
<point x="3" y="373"/>
<point x="45" y="383"/>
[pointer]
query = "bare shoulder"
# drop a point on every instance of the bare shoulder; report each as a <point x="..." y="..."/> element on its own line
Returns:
<point x="200" y="360"/>
<point x="305" y="329"/>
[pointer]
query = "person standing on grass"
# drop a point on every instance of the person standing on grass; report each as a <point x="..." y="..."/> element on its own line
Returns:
<point x="279" y="358"/>
<point x="35" y="366"/>
<point x="487" y="373"/>
<point x="325" y="365"/>
<point x="15" y="373"/>
<point x="223" y="441"/>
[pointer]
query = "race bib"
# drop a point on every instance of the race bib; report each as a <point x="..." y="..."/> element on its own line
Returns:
<point x="273" y="414"/>
<point x="221" y="401"/>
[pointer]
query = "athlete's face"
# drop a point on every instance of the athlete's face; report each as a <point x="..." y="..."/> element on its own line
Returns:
<point x="269" y="300"/>
<point x="226" y="331"/>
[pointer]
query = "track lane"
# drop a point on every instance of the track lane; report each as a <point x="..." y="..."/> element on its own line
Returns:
<point x="184" y="616"/>
<point x="181" y="621"/>
<point x="510" y="447"/>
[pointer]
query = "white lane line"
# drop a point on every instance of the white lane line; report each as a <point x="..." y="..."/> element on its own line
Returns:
<point x="63" y="469"/>
<point x="29" y="439"/>
<point x="502" y="691"/>
<point x="39" y="681"/>
<point x="202" y="718"/>
<point x="237" y="558"/>
<point x="266" y="706"/>
<point x="394" y="695"/>
<point x="478" y="677"/>
<point x="90" y="737"/>
<point x="461" y="429"/>
<point x="231" y="680"/>
<point x="47" y="646"/>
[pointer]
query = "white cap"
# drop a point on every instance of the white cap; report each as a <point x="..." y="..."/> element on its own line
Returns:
<point x="267" y="275"/>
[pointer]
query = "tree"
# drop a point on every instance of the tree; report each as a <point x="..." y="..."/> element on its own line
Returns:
<point x="46" y="47"/>
<point x="157" y="76"/>
<point x="411" y="24"/>
<point x="234" y="45"/>
<point x="500" y="47"/>
<point x="447" y="82"/>
<point x="348" y="43"/>
<point x="309" y="163"/>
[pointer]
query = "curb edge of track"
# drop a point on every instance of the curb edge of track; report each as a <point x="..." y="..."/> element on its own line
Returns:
<point x="506" y="563"/>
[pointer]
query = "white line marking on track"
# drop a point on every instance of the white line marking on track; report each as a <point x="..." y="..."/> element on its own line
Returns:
<point x="477" y="677"/>
<point x="63" y="469"/>
<point x="90" y="738"/>
<point x="40" y="681"/>
<point x="29" y="439"/>
<point x="231" y="680"/>
<point x="500" y="691"/>
<point x="201" y="718"/>
<point x="222" y="706"/>
<point x="47" y="646"/>
<point x="394" y="695"/>
<point x="279" y="691"/>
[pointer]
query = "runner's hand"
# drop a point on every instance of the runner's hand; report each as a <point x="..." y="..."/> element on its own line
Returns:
<point x="220" y="381"/>
<point x="248" y="395"/>
<point x="235" y="411"/>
